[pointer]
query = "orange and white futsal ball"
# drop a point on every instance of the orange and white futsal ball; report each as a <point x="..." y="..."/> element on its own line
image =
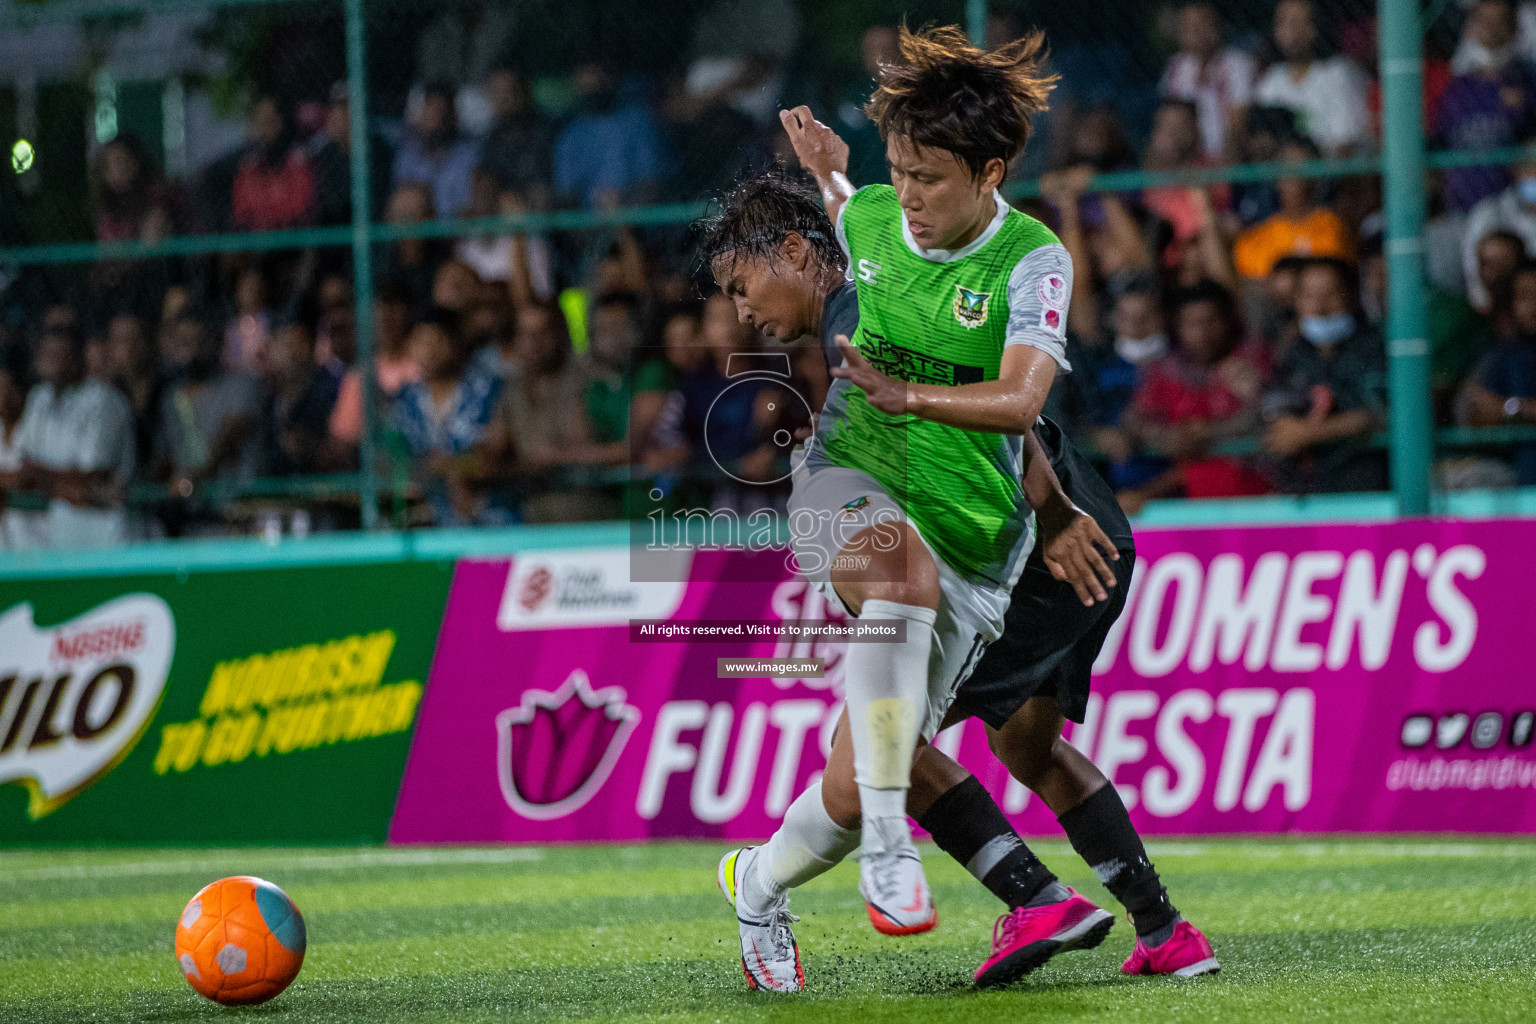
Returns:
<point x="240" y="940"/>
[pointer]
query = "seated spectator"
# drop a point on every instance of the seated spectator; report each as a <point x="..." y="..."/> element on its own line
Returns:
<point x="520" y="263"/>
<point x="464" y="42"/>
<point x="609" y="154"/>
<point x="518" y="152"/>
<point x="443" y="417"/>
<point x="434" y="154"/>
<point x="1217" y="80"/>
<point x="331" y="160"/>
<point x="1513" y="210"/>
<point x="1490" y="102"/>
<point x="1206" y="391"/>
<point x="1107" y="367"/>
<point x="414" y="261"/>
<point x="273" y="187"/>
<point x="1263" y="132"/>
<point x="20" y="529"/>
<point x="1329" y="395"/>
<point x="210" y="417"/>
<point x="336" y="329"/>
<point x="621" y="400"/>
<point x="1503" y="393"/>
<point x="246" y="337"/>
<point x="541" y="427"/>
<point x="866" y="150"/>
<point x="300" y="398"/>
<point x="131" y="369"/>
<point x="76" y="444"/>
<point x="132" y="203"/>
<point x="1328" y="95"/>
<point x="1302" y="227"/>
<point x="1458" y="334"/>
<point x="393" y="368"/>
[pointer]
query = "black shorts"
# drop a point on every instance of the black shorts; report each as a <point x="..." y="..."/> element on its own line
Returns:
<point x="1049" y="643"/>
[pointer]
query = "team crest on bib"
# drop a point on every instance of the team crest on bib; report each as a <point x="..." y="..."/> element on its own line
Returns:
<point x="970" y="307"/>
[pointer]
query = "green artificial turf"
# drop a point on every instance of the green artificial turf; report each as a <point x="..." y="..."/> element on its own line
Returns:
<point x="1398" y="930"/>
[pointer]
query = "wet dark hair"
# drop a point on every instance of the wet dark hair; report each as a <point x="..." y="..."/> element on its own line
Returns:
<point x="752" y="220"/>
<point x="946" y="93"/>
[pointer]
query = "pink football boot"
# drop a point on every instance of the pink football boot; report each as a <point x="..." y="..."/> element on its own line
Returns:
<point x="1025" y="938"/>
<point x="1186" y="954"/>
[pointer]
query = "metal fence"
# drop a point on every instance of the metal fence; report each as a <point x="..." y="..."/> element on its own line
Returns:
<point x="718" y="69"/>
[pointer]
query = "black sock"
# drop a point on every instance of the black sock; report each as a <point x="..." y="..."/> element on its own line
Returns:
<point x="967" y="824"/>
<point x="1100" y="830"/>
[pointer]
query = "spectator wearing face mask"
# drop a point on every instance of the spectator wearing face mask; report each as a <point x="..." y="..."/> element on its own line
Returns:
<point x="1490" y="102"/>
<point x="1329" y="396"/>
<point x="1107" y="368"/>
<point x="1513" y="210"/>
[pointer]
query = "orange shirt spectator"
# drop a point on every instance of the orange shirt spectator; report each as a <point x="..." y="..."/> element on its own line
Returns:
<point x="1317" y="233"/>
<point x="1300" y="228"/>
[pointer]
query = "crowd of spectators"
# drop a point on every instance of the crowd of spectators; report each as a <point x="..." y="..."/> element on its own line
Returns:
<point x="1225" y="340"/>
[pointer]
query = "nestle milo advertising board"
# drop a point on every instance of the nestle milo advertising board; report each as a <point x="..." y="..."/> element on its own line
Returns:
<point x="248" y="706"/>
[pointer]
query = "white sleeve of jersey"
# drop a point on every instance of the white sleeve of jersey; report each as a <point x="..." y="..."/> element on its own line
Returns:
<point x="1039" y="292"/>
<point x="842" y="239"/>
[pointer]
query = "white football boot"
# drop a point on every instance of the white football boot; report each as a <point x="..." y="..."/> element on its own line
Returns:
<point x="769" y="957"/>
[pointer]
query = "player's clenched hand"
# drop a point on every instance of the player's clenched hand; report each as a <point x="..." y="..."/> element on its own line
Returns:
<point x="821" y="151"/>
<point x="1073" y="547"/>
<point x="888" y="394"/>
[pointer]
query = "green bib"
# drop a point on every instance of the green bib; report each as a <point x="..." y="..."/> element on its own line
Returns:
<point x="934" y="323"/>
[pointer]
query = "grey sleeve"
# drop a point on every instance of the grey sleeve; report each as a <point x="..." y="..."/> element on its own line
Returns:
<point x="1039" y="292"/>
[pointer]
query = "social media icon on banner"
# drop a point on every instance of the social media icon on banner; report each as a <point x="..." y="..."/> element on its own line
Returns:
<point x="1451" y="729"/>
<point x="1486" y="729"/>
<point x="1417" y="729"/>
<point x="1521" y="729"/>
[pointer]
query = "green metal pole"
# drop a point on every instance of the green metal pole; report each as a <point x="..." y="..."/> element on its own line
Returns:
<point x="362" y="260"/>
<point x="976" y="21"/>
<point x="1402" y="62"/>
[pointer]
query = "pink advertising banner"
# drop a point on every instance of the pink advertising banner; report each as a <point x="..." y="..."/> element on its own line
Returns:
<point x="1320" y="678"/>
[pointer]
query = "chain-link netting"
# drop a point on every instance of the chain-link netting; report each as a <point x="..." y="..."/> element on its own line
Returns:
<point x="191" y="344"/>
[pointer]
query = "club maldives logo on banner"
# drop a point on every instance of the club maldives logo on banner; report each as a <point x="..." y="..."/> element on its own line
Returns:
<point x="76" y="697"/>
<point x="1339" y="678"/>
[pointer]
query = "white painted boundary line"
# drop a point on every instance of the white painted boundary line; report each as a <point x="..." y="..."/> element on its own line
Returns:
<point x="307" y="862"/>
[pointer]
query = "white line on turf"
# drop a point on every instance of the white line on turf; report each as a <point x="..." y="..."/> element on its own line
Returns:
<point x="305" y="862"/>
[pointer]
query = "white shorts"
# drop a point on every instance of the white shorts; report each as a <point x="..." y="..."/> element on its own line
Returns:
<point x="832" y="504"/>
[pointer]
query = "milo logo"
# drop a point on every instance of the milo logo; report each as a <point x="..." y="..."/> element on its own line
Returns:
<point x="557" y="749"/>
<point x="76" y="697"/>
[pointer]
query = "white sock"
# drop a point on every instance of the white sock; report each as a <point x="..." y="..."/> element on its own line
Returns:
<point x="807" y="844"/>
<point x="886" y="686"/>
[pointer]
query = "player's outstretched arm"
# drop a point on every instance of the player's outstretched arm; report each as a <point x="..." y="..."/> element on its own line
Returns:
<point x="823" y="154"/>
